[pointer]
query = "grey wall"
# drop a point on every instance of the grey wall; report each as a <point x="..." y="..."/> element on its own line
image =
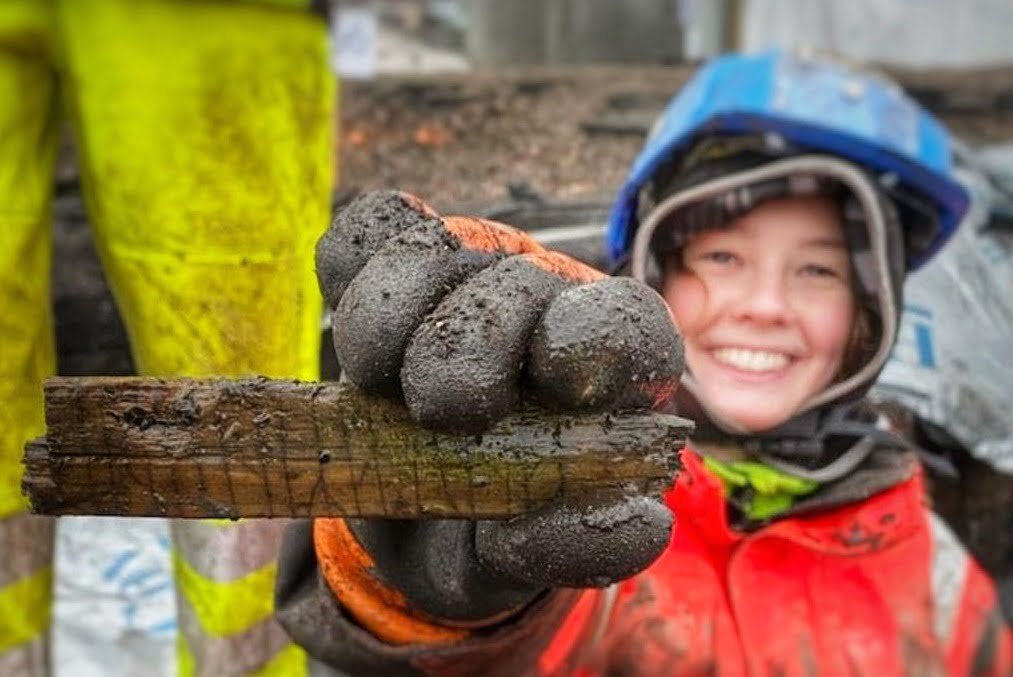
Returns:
<point x="900" y="32"/>
<point x="505" y="32"/>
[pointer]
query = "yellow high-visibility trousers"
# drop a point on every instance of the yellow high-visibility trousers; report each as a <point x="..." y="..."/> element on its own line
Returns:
<point x="204" y="132"/>
<point x="28" y="134"/>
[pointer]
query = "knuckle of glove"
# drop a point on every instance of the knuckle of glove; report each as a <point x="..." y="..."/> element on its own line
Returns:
<point x="462" y="366"/>
<point x="577" y="545"/>
<point x="401" y="260"/>
<point x="357" y="231"/>
<point x="395" y="290"/>
<point x="607" y="345"/>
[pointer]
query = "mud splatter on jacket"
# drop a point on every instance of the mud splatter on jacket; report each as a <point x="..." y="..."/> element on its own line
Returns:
<point x="874" y="586"/>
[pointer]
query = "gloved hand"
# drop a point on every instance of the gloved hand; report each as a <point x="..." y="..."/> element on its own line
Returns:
<point x="464" y="318"/>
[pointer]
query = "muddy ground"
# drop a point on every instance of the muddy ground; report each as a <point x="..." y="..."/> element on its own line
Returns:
<point x="477" y="139"/>
<point x="498" y="144"/>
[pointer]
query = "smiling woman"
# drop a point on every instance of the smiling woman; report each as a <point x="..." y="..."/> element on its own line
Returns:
<point x="765" y="306"/>
<point x="779" y="238"/>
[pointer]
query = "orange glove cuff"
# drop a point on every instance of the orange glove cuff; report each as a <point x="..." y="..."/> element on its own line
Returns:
<point x="382" y="610"/>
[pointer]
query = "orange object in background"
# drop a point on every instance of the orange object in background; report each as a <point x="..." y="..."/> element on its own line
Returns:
<point x="432" y="135"/>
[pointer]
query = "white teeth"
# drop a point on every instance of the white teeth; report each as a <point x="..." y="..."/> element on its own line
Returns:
<point x="751" y="360"/>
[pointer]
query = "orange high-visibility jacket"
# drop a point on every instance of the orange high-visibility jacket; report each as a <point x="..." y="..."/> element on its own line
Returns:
<point x="877" y="587"/>
<point x="872" y="588"/>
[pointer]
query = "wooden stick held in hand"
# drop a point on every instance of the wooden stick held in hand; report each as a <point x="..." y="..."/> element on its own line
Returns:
<point x="271" y="448"/>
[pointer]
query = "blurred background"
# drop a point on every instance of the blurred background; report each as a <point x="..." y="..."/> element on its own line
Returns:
<point x="530" y="112"/>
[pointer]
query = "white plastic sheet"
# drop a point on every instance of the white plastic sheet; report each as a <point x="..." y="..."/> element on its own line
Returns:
<point x="953" y="364"/>
<point x="115" y="608"/>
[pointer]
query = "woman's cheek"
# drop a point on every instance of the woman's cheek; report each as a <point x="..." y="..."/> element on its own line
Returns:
<point x="830" y="326"/>
<point x="686" y="295"/>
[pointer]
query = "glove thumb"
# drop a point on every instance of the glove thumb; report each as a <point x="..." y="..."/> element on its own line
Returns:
<point x="577" y="544"/>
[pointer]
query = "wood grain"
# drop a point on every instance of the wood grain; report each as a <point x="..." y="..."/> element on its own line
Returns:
<point x="269" y="448"/>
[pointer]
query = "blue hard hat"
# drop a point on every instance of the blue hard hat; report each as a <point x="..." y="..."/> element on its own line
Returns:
<point x="816" y="105"/>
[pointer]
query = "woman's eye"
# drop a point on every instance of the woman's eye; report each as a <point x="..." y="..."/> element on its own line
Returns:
<point x="816" y="270"/>
<point x="722" y="257"/>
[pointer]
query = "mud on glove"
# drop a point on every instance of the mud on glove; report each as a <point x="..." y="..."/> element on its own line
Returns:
<point x="463" y="318"/>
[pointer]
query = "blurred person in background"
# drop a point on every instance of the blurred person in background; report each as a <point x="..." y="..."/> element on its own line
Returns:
<point x="204" y="136"/>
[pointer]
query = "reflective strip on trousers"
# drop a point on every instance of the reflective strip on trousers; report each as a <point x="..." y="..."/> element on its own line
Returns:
<point x="949" y="571"/>
<point x="290" y="662"/>
<point x="26" y="546"/>
<point x="225" y="576"/>
<point x="30" y="659"/>
<point x="224" y="551"/>
<point x="262" y="650"/>
<point x="25" y="609"/>
<point x="26" y="584"/>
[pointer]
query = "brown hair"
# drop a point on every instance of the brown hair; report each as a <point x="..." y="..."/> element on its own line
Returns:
<point x="866" y="331"/>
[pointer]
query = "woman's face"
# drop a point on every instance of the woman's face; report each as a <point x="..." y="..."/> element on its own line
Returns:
<point x="765" y="308"/>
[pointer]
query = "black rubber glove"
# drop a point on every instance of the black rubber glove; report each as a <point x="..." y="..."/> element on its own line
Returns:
<point x="464" y="318"/>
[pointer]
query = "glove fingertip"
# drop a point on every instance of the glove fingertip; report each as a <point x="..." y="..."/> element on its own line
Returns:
<point x="462" y="367"/>
<point x="357" y="231"/>
<point x="606" y="345"/>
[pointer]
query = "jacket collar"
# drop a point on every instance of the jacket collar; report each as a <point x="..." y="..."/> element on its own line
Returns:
<point x="839" y="520"/>
<point x="824" y="445"/>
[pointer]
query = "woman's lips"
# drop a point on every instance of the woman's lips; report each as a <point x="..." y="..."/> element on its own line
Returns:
<point x="751" y="360"/>
<point x="747" y="366"/>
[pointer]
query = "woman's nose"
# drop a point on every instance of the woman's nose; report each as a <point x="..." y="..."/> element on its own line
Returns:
<point x="764" y="299"/>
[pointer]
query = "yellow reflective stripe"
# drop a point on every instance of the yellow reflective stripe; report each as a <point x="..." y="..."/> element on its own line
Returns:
<point x="25" y="608"/>
<point x="184" y="658"/>
<point x="226" y="553"/>
<point x="224" y="609"/>
<point x="289" y="662"/>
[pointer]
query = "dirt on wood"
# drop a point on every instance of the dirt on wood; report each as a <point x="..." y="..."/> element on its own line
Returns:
<point x="274" y="448"/>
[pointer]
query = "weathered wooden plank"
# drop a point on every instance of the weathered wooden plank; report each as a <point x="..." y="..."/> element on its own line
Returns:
<point x="270" y="448"/>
